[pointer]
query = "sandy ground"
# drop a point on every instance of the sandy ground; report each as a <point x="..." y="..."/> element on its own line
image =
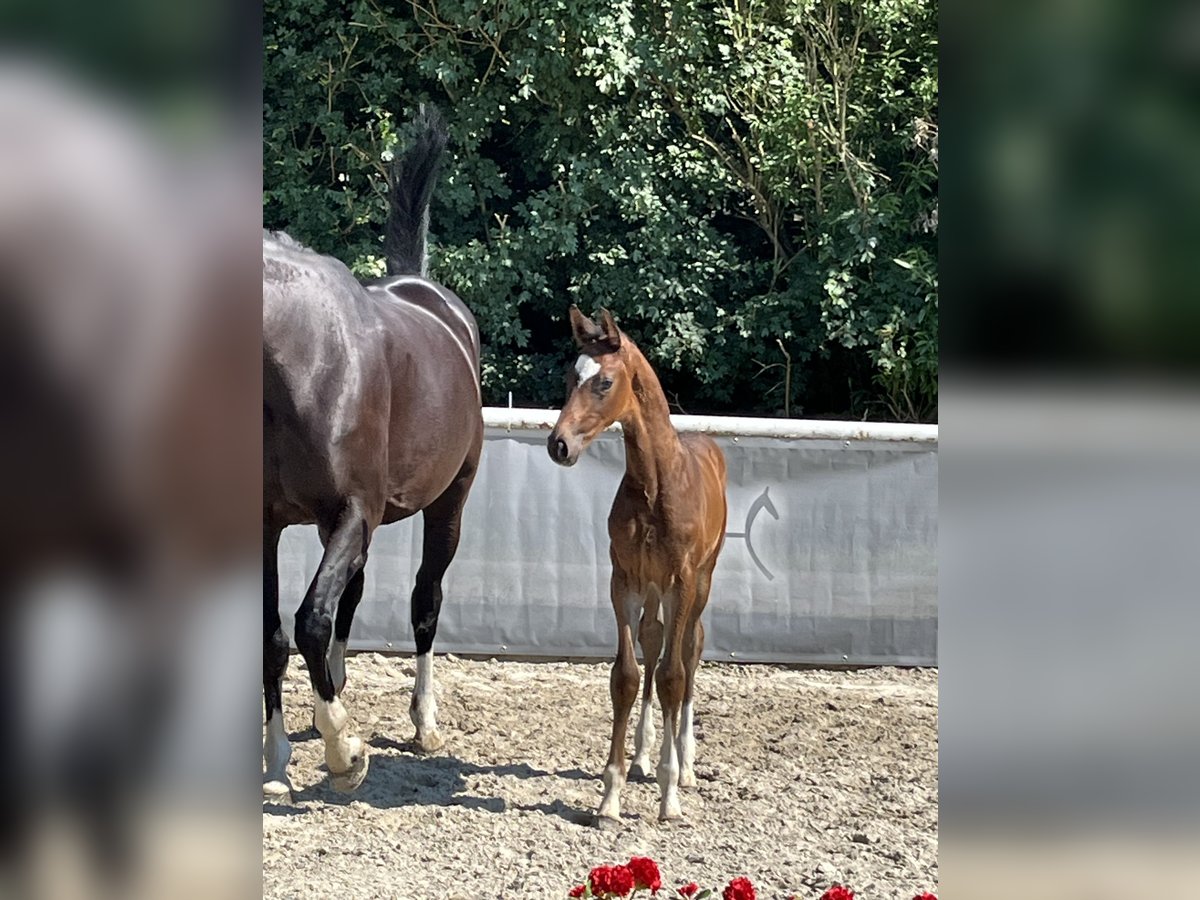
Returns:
<point x="805" y="778"/>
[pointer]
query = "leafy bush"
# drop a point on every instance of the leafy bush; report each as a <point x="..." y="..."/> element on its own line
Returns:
<point x="749" y="185"/>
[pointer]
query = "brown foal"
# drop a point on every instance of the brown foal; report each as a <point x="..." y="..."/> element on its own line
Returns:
<point x="666" y="528"/>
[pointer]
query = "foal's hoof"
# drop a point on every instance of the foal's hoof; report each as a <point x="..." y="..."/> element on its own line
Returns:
<point x="430" y="742"/>
<point x="669" y="811"/>
<point x="606" y="823"/>
<point x="687" y="779"/>
<point x="639" y="771"/>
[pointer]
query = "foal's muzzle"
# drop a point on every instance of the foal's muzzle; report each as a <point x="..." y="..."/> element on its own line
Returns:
<point x="559" y="450"/>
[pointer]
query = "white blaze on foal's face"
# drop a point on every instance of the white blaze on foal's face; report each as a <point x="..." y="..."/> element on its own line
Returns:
<point x="586" y="367"/>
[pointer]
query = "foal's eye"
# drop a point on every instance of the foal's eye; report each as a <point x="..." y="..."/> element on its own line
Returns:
<point x="605" y="384"/>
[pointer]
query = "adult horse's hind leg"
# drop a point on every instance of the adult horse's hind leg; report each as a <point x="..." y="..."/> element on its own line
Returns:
<point x="442" y="519"/>
<point x="341" y="629"/>
<point x="276" y="749"/>
<point x="650" y="636"/>
<point x="345" y="552"/>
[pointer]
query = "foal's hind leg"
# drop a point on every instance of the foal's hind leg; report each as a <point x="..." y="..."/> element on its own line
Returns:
<point x="694" y="647"/>
<point x="276" y="749"/>
<point x="687" y="738"/>
<point x="650" y="636"/>
<point x="671" y="681"/>
<point x="345" y="753"/>
<point x="443" y="519"/>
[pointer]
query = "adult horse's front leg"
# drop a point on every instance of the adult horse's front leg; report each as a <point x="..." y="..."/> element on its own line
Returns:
<point x="276" y="749"/>
<point x="443" y="519"/>
<point x="345" y="553"/>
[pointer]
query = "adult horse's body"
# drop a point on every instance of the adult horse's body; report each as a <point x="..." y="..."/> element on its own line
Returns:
<point x="666" y="527"/>
<point x="371" y="413"/>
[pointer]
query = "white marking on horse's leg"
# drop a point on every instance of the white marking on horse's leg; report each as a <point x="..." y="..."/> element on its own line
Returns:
<point x="423" y="709"/>
<point x="277" y="753"/>
<point x="586" y="367"/>
<point x="645" y="736"/>
<point x="610" y="806"/>
<point x="345" y="752"/>
<point x="687" y="748"/>
<point x="668" y="772"/>
<point x="337" y="665"/>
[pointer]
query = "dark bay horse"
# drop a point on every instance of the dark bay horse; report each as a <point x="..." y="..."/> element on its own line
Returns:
<point x="371" y="414"/>
<point x="666" y="529"/>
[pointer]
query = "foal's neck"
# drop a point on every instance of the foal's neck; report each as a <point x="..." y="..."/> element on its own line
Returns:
<point x="651" y="441"/>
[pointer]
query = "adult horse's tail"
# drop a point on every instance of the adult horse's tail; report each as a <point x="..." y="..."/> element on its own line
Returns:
<point x="413" y="176"/>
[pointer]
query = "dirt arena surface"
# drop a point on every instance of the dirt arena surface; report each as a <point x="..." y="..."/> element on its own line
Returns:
<point x="805" y="778"/>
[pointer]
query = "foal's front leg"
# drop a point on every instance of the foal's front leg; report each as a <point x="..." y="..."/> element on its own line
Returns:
<point x="623" y="686"/>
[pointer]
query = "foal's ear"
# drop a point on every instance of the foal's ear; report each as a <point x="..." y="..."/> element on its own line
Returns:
<point x="584" y="329"/>
<point x="612" y="334"/>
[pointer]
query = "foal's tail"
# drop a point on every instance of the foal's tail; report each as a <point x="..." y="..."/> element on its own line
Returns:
<point x="413" y="176"/>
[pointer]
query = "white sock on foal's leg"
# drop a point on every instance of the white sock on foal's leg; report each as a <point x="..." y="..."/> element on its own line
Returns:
<point x="423" y="710"/>
<point x="668" y="772"/>
<point x="610" y="806"/>
<point x="644" y="739"/>
<point x="687" y="748"/>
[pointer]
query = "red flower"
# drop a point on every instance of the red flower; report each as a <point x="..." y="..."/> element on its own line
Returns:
<point x="838" y="892"/>
<point x="611" y="880"/>
<point x="925" y="896"/>
<point x="645" y="873"/>
<point x="577" y="891"/>
<point x="688" y="889"/>
<point x="739" y="889"/>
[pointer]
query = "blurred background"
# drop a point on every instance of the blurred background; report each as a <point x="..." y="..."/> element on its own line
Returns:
<point x="750" y="187"/>
<point x="130" y="179"/>
<point x="1070" y="481"/>
<point x="130" y="448"/>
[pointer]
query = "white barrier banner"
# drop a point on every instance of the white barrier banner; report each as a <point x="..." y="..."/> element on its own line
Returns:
<point x="830" y="553"/>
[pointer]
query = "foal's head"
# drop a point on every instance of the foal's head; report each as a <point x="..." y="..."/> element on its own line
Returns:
<point x="599" y="387"/>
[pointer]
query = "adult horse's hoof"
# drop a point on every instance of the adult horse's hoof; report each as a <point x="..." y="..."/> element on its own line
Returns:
<point x="277" y="791"/>
<point x="430" y="742"/>
<point x="606" y="823"/>
<point x="352" y="779"/>
<point x="687" y="779"/>
<point x="345" y="754"/>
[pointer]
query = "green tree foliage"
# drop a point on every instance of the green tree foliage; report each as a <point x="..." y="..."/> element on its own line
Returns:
<point x="749" y="185"/>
